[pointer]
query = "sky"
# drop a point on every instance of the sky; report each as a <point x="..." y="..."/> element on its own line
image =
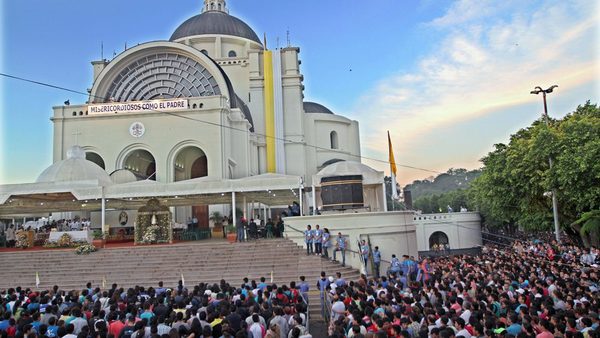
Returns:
<point x="448" y="79"/>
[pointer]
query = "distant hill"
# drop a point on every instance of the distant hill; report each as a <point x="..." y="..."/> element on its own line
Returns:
<point x="453" y="179"/>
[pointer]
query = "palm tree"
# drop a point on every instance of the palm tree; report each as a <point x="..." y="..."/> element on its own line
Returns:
<point x="588" y="226"/>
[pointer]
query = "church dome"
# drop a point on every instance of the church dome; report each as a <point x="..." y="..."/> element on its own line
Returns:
<point x="214" y="23"/>
<point x="313" y="107"/>
<point x="75" y="168"/>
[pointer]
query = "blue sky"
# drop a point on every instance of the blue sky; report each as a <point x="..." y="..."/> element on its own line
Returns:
<point x="447" y="78"/>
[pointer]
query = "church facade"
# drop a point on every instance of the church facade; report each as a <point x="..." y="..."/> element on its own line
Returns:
<point x="210" y="101"/>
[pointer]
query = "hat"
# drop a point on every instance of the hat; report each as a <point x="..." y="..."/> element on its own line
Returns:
<point x="583" y="300"/>
<point x="499" y="330"/>
<point x="331" y="279"/>
<point x="207" y="292"/>
<point x="519" y="290"/>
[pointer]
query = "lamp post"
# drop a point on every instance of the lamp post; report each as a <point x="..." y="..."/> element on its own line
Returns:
<point x="537" y="90"/>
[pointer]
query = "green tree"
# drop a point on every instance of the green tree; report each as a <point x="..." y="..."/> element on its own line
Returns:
<point x="515" y="176"/>
<point x="453" y="179"/>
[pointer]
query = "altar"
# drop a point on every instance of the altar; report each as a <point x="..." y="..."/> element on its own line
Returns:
<point x="77" y="236"/>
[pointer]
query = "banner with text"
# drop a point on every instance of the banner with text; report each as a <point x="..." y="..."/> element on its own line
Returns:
<point x="137" y="106"/>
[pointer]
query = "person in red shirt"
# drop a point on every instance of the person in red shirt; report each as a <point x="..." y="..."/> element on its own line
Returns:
<point x="12" y="327"/>
<point x="115" y="325"/>
<point x="546" y="329"/>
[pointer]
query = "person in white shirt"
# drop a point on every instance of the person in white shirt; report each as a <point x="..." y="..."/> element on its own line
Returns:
<point x="466" y="315"/>
<point x="78" y="322"/>
<point x="459" y="323"/>
<point x="256" y="330"/>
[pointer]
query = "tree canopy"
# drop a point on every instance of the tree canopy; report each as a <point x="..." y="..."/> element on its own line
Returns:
<point x="512" y="189"/>
<point x="447" y="189"/>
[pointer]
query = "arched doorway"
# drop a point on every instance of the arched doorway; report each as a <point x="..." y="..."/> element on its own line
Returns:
<point x="142" y="164"/>
<point x="93" y="157"/>
<point x="191" y="162"/>
<point x="438" y="241"/>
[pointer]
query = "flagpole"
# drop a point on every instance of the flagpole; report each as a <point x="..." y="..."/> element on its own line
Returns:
<point x="392" y="171"/>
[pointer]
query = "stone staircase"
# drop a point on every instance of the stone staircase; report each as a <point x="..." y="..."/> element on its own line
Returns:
<point x="206" y="261"/>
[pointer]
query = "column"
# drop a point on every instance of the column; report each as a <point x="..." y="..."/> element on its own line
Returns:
<point x="233" y="215"/>
<point x="103" y="213"/>
<point x="314" y="199"/>
<point x="384" y="199"/>
<point x="301" y="196"/>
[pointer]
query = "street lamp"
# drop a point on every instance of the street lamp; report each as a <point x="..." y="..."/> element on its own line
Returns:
<point x="536" y="91"/>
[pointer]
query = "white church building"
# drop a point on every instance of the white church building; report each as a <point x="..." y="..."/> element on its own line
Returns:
<point x="211" y="101"/>
<point x="211" y="119"/>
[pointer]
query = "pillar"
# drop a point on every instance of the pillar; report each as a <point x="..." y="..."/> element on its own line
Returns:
<point x="233" y="215"/>
<point x="384" y="199"/>
<point x="314" y="199"/>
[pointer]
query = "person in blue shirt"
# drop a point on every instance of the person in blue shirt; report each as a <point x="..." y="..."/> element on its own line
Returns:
<point x="4" y="324"/>
<point x="376" y="261"/>
<point x="326" y="242"/>
<point x="303" y="286"/>
<point x="395" y="265"/>
<point x="52" y="331"/>
<point x="409" y="268"/>
<point x="262" y="285"/>
<point x="514" y="328"/>
<point x="364" y="253"/>
<point x="308" y="239"/>
<point x="322" y="283"/>
<point x="317" y="239"/>
<point x="340" y="245"/>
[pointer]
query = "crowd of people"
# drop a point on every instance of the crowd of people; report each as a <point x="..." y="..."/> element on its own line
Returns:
<point x="528" y="289"/>
<point x="250" y="310"/>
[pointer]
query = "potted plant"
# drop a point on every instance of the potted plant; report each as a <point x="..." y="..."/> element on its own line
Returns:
<point x="98" y="239"/>
<point x="231" y="233"/>
<point x="217" y="220"/>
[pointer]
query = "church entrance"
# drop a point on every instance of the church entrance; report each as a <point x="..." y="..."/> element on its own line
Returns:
<point x="438" y="241"/>
<point x="191" y="162"/>
<point x="142" y="164"/>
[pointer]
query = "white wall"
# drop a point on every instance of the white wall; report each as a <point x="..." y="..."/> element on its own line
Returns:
<point x="393" y="232"/>
<point x="462" y="228"/>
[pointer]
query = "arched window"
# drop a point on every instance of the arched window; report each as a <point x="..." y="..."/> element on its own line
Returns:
<point x="438" y="240"/>
<point x="93" y="157"/>
<point x="232" y="54"/>
<point x="333" y="138"/>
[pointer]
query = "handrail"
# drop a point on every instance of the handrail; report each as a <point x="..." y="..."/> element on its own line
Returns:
<point x="326" y="306"/>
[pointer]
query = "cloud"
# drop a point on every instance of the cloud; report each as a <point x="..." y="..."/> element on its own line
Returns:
<point x="488" y="60"/>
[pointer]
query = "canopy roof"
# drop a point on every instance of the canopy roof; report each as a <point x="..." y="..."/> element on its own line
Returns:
<point x="269" y="189"/>
<point x="346" y="168"/>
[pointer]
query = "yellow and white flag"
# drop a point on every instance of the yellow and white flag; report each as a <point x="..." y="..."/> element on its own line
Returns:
<point x="392" y="169"/>
<point x="37" y="279"/>
<point x="103" y="282"/>
<point x="271" y="276"/>
<point x="182" y="280"/>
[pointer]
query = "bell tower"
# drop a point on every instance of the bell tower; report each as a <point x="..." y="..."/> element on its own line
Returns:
<point x="215" y="5"/>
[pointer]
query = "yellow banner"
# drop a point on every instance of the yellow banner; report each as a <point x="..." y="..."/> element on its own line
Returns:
<point x="269" y="111"/>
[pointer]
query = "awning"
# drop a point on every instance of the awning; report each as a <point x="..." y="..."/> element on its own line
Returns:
<point x="269" y="189"/>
